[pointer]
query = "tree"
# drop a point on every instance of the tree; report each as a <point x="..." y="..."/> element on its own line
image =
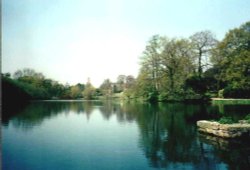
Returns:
<point x="27" y="72"/>
<point x="40" y="87"/>
<point x="232" y="58"/>
<point x="120" y="83"/>
<point x="7" y="75"/>
<point x="57" y="90"/>
<point x="12" y="93"/>
<point x="165" y="65"/>
<point x="106" y="88"/>
<point x="203" y="42"/>
<point x="144" y="88"/>
<point x="75" y="92"/>
<point x="130" y="90"/>
<point x="18" y="74"/>
<point x="177" y="62"/>
<point x="89" y="91"/>
<point x="151" y="60"/>
<point x="130" y="81"/>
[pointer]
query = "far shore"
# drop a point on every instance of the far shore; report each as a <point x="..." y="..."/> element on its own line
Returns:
<point x="229" y="99"/>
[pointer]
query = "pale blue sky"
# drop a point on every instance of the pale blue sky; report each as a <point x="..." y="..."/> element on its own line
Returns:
<point x="71" y="40"/>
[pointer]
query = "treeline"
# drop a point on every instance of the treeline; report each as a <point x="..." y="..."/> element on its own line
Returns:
<point x="198" y="67"/>
<point x="34" y="85"/>
<point x="194" y="68"/>
<point x="27" y="84"/>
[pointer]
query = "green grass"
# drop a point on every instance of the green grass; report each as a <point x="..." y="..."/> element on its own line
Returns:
<point x="231" y="101"/>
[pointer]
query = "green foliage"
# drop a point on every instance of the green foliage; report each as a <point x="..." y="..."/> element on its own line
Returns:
<point x="213" y="82"/>
<point x="226" y="120"/>
<point x="202" y="42"/>
<point x="171" y="69"/>
<point x="165" y="64"/>
<point x="106" y="88"/>
<point x="76" y="91"/>
<point x="163" y="96"/>
<point x="12" y="91"/>
<point x="232" y="59"/>
<point x="152" y="96"/>
<point x="36" y="86"/>
<point x="197" y="83"/>
<point x="247" y="118"/>
<point x="89" y="92"/>
<point x="236" y="92"/>
<point x="179" y="69"/>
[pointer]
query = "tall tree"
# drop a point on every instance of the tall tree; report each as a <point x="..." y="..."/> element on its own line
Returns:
<point x="177" y="62"/>
<point x="106" y="88"/>
<point x="27" y="72"/>
<point x="89" y="91"/>
<point x="151" y="60"/>
<point x="203" y="42"/>
<point x="120" y="83"/>
<point x="75" y="92"/>
<point x="130" y="81"/>
<point x="233" y="60"/>
<point x="165" y="66"/>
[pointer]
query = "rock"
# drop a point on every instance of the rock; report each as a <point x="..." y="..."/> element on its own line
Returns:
<point x="208" y="124"/>
<point x="223" y="130"/>
<point x="243" y="121"/>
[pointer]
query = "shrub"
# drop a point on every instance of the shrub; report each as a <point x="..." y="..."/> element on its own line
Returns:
<point x="247" y="118"/>
<point x="198" y="84"/>
<point x="236" y="92"/>
<point x="226" y="120"/>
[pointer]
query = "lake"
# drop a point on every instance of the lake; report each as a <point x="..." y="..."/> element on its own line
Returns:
<point x="95" y="135"/>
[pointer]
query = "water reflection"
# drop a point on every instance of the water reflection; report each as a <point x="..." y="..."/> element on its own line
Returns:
<point x="237" y="112"/>
<point x="167" y="138"/>
<point x="167" y="132"/>
<point x="35" y="113"/>
<point x="235" y="153"/>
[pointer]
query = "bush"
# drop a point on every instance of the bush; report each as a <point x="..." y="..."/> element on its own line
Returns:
<point x="198" y="84"/>
<point x="226" y="120"/>
<point x="12" y="92"/>
<point x="152" y="96"/>
<point x="247" y="118"/>
<point x="163" y="96"/>
<point x="236" y="92"/>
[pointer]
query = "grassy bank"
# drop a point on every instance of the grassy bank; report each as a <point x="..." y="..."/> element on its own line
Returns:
<point x="230" y="101"/>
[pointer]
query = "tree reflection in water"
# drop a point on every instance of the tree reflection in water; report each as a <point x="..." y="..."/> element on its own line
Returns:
<point x="167" y="137"/>
<point x="168" y="134"/>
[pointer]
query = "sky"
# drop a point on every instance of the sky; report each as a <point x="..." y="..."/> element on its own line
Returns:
<point x="73" y="40"/>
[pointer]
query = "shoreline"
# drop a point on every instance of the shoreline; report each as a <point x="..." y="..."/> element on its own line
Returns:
<point x="228" y="99"/>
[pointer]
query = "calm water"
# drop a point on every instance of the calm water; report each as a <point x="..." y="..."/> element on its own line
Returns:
<point x="107" y="136"/>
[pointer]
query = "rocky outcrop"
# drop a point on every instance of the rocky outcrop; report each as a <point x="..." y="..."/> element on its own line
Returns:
<point x="224" y="130"/>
